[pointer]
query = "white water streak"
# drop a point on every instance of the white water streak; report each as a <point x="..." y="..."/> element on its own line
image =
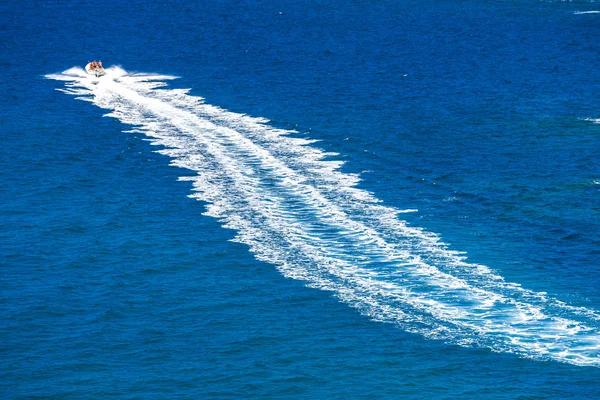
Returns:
<point x="293" y="207"/>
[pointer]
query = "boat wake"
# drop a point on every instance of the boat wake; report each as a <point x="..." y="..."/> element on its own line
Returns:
<point x="289" y="202"/>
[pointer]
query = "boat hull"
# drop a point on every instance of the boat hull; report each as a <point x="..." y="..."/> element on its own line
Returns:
<point x="97" y="72"/>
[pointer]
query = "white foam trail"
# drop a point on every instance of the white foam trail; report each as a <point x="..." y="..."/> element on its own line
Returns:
<point x="586" y="12"/>
<point x="293" y="207"/>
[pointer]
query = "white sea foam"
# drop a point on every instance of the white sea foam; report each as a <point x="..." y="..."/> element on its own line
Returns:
<point x="592" y="120"/>
<point x="586" y="12"/>
<point x="289" y="202"/>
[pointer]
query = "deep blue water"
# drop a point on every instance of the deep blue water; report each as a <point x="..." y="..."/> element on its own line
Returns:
<point x="286" y="280"/>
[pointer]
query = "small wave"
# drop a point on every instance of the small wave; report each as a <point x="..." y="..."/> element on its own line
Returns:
<point x="594" y="120"/>
<point x="586" y="12"/>
<point x="71" y="74"/>
<point x="291" y="205"/>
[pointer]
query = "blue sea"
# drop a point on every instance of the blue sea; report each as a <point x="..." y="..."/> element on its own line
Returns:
<point x="325" y="199"/>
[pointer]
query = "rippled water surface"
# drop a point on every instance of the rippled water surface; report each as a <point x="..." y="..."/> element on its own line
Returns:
<point x="317" y="200"/>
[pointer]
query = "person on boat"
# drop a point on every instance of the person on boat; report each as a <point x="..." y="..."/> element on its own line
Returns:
<point x="100" y="64"/>
<point x="93" y="65"/>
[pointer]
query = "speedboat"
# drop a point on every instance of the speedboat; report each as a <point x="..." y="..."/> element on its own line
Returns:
<point x="95" y="68"/>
